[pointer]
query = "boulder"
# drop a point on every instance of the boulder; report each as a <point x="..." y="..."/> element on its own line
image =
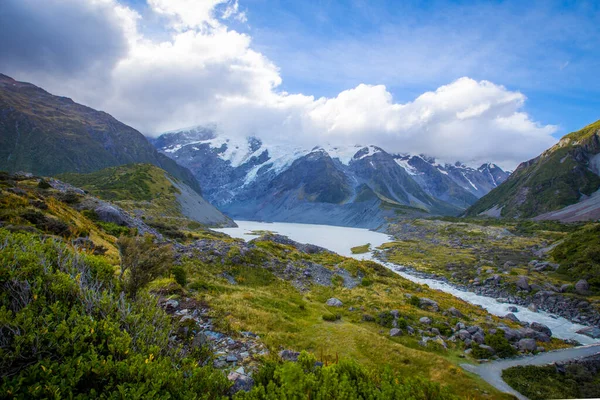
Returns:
<point x="532" y="307"/>
<point x="478" y="338"/>
<point x="513" y="309"/>
<point x="453" y="311"/>
<point x="488" y="348"/>
<point x="522" y="283"/>
<point x="108" y="213"/>
<point x="463" y="334"/>
<point x="591" y="331"/>
<point x="536" y="326"/>
<point x="425" y="320"/>
<point x="410" y="330"/>
<point x="512" y="317"/>
<point x="582" y="287"/>
<point x="333" y="302"/>
<point x="289" y="355"/>
<point x="395" y="332"/>
<point x="424" y="302"/>
<point x="565" y="288"/>
<point x="527" y="345"/>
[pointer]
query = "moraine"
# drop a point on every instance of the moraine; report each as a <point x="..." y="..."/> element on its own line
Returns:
<point x="342" y="239"/>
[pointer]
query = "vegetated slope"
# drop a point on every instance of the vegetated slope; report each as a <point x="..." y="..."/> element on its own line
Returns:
<point x="561" y="176"/>
<point x="200" y="314"/>
<point x="47" y="135"/>
<point x="344" y="185"/>
<point x="149" y="190"/>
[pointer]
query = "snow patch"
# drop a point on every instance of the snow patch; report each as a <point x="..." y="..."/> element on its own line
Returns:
<point x="407" y="167"/>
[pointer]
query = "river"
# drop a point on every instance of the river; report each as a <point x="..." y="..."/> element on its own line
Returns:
<point x="342" y="239"/>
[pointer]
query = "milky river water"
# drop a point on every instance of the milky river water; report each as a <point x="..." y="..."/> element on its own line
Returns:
<point x="342" y="239"/>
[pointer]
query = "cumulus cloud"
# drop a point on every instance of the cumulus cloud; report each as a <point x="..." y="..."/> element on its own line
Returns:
<point x="207" y="73"/>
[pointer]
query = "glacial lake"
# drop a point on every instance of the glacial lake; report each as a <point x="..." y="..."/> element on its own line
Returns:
<point x="342" y="239"/>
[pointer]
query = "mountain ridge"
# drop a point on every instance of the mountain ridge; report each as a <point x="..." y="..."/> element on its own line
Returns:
<point x="246" y="177"/>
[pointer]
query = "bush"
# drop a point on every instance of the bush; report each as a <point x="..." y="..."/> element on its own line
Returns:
<point x="414" y="301"/>
<point x="500" y="344"/>
<point x="179" y="274"/>
<point x="343" y="380"/>
<point x="331" y="317"/>
<point x="479" y="352"/>
<point x="67" y="333"/>
<point x="142" y="261"/>
<point x="385" y="319"/>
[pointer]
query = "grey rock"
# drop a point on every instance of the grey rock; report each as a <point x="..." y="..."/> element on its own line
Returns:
<point x="532" y="307"/>
<point x="527" y="345"/>
<point x="582" y="286"/>
<point x="512" y="317"/>
<point x="289" y="355"/>
<point x="591" y="331"/>
<point x="425" y="320"/>
<point x="453" y="311"/>
<point x="478" y="338"/>
<point x="395" y="332"/>
<point x="523" y="283"/>
<point x="333" y="302"/>
<point x="424" y="302"/>
<point x="536" y="326"/>
<point x="463" y="334"/>
<point x="513" y="309"/>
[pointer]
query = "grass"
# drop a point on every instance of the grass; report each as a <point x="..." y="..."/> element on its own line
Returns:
<point x="365" y="248"/>
<point x="286" y="317"/>
<point x="545" y="382"/>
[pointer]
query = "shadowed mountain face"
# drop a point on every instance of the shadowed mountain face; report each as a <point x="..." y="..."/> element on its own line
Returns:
<point x="351" y="185"/>
<point x="564" y="175"/>
<point x="48" y="135"/>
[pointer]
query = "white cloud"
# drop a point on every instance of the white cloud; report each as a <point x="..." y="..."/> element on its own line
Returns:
<point x="206" y="73"/>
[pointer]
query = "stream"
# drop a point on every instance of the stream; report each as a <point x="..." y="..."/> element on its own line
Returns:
<point x="342" y="239"/>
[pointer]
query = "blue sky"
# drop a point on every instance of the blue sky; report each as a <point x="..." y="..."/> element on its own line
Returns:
<point x="472" y="81"/>
<point x="550" y="51"/>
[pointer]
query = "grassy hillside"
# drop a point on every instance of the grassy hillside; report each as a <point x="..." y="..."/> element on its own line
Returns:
<point x="71" y="325"/>
<point x="555" y="179"/>
<point x="144" y="189"/>
<point x="47" y="135"/>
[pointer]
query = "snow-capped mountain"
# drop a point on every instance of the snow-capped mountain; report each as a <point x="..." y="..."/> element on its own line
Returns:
<point x="342" y="185"/>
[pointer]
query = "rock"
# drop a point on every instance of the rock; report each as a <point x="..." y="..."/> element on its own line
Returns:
<point x="566" y="288"/>
<point x="542" y="337"/>
<point x="435" y="331"/>
<point x="522" y="283"/>
<point x="502" y="300"/>
<point x="591" y="331"/>
<point x="171" y="304"/>
<point x="541" y="349"/>
<point x="513" y="309"/>
<point x="488" y="348"/>
<point x="532" y="307"/>
<point x="333" y="302"/>
<point x="240" y="382"/>
<point x="231" y="358"/>
<point x="527" y="345"/>
<point x="453" y="311"/>
<point x="368" y="318"/>
<point x="474" y="329"/>
<point x="289" y="355"/>
<point x="536" y="326"/>
<point x="459" y="326"/>
<point x="425" y="320"/>
<point x="395" y="332"/>
<point x="424" y="302"/>
<point x="410" y="330"/>
<point x="582" y="287"/>
<point x="395" y="313"/>
<point x="463" y="334"/>
<point x="512" y="317"/>
<point x="478" y="338"/>
<point x="468" y="351"/>
<point x="510" y="334"/>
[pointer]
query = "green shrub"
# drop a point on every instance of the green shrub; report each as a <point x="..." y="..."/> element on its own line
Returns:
<point x="500" y="344"/>
<point x="68" y="333"/>
<point x="179" y="274"/>
<point x="343" y="380"/>
<point x="142" y="261"/>
<point x="479" y="352"/>
<point x="415" y="301"/>
<point x="331" y="317"/>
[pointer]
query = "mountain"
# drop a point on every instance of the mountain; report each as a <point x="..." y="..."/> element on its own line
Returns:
<point x="340" y="185"/>
<point x="150" y="192"/>
<point x="561" y="183"/>
<point x="48" y="135"/>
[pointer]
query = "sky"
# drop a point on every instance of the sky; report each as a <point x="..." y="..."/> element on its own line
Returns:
<point x="495" y="81"/>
